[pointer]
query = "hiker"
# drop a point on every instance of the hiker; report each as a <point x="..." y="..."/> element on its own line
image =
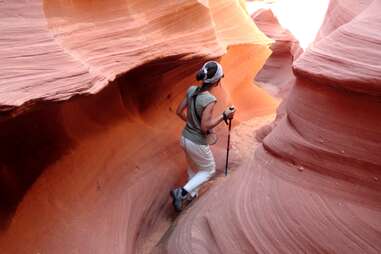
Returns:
<point x="199" y="103"/>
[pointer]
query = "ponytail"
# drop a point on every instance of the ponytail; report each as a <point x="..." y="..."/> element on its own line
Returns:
<point x="197" y="91"/>
<point x="201" y="89"/>
<point x="201" y="75"/>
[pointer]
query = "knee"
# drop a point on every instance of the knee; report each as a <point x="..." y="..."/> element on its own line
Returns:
<point x="211" y="174"/>
<point x="212" y="170"/>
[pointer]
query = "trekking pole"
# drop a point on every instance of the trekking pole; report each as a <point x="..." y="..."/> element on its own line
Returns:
<point x="227" y="150"/>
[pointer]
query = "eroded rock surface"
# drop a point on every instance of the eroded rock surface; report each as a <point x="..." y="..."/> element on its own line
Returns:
<point x="92" y="174"/>
<point x="276" y="76"/>
<point x="314" y="184"/>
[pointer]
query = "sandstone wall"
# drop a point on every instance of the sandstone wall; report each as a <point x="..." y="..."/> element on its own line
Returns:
<point x="314" y="184"/>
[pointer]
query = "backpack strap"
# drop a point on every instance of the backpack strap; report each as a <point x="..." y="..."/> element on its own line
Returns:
<point x="195" y="112"/>
<point x="194" y="97"/>
<point x="195" y="109"/>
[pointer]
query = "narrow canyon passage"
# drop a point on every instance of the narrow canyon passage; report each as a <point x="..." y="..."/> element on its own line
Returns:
<point x="113" y="175"/>
<point x="99" y="85"/>
<point x="90" y="140"/>
<point x="110" y="184"/>
<point x="313" y="184"/>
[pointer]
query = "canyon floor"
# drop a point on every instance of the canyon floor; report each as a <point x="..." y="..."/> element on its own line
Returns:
<point x="243" y="145"/>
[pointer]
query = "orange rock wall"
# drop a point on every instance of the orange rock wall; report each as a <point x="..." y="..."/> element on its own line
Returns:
<point x="313" y="186"/>
<point x="92" y="174"/>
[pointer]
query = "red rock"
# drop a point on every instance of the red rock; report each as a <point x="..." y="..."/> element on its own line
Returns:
<point x="276" y="76"/>
<point x="347" y="57"/>
<point x="333" y="206"/>
<point x="92" y="174"/>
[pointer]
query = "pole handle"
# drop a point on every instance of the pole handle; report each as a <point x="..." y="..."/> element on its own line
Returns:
<point x="227" y="120"/>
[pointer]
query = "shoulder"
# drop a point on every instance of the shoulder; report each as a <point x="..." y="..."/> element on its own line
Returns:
<point x="207" y="98"/>
<point x="212" y="97"/>
<point x="191" y="90"/>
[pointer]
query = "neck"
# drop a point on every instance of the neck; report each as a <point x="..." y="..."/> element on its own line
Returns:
<point x="208" y="87"/>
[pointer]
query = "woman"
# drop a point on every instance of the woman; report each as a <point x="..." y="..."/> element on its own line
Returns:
<point x="199" y="102"/>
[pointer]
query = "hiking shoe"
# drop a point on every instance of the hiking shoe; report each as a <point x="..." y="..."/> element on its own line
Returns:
<point x="189" y="200"/>
<point x="177" y="201"/>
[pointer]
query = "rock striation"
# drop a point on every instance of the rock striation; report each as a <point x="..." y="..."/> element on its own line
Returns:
<point x="87" y="98"/>
<point x="276" y="76"/>
<point x="313" y="186"/>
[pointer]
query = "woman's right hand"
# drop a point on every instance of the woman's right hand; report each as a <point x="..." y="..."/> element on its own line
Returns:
<point x="229" y="112"/>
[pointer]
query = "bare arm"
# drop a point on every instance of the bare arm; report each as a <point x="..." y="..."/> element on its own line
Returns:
<point x="180" y="111"/>
<point x="208" y="122"/>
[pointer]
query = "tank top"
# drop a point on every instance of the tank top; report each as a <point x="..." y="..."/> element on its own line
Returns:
<point x="192" y="130"/>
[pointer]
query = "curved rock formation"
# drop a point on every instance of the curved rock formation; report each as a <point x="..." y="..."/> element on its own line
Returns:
<point x="314" y="185"/>
<point x="104" y="163"/>
<point x="276" y="76"/>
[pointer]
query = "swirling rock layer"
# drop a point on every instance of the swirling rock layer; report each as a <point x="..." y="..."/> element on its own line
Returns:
<point x="314" y="185"/>
<point x="92" y="174"/>
<point x="276" y="76"/>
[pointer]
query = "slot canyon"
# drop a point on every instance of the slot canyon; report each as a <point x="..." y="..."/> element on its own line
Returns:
<point x="90" y="139"/>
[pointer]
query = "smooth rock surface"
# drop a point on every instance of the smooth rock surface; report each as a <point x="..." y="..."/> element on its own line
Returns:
<point x="92" y="174"/>
<point x="55" y="50"/>
<point x="311" y="187"/>
<point x="276" y="76"/>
